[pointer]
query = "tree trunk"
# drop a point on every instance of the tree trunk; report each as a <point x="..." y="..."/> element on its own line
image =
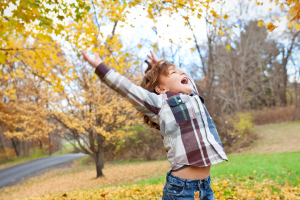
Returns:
<point x="2" y="149"/>
<point x="284" y="83"/>
<point x="15" y="145"/>
<point x="99" y="156"/>
<point x="49" y="144"/>
<point x="99" y="164"/>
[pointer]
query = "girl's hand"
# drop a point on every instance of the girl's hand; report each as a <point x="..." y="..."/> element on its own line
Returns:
<point x="92" y="62"/>
<point x="153" y="59"/>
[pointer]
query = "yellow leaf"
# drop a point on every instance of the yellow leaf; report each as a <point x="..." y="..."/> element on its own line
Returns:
<point x="260" y="23"/>
<point x="139" y="46"/>
<point x="226" y="16"/>
<point x="282" y="5"/>
<point x="221" y="32"/>
<point x="192" y="49"/>
<point x="196" y="197"/>
<point x="271" y="26"/>
<point x="228" y="47"/>
<point x="186" y="18"/>
<point x="155" y="50"/>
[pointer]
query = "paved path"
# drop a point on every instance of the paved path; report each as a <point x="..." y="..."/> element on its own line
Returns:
<point x="12" y="174"/>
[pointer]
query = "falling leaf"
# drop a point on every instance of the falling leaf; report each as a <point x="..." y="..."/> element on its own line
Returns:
<point x="192" y="49"/>
<point x="139" y="46"/>
<point x="271" y="26"/>
<point x="221" y="32"/>
<point x="226" y="16"/>
<point x="186" y="18"/>
<point x="260" y="23"/>
<point x="228" y="47"/>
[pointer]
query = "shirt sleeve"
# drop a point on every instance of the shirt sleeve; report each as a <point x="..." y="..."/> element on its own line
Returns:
<point x="144" y="101"/>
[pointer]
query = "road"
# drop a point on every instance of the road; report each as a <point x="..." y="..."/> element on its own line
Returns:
<point x="12" y="174"/>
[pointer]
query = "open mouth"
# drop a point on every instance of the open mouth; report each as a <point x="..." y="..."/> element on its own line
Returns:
<point x="184" y="80"/>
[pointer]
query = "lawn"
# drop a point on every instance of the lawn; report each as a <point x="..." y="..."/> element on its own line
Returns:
<point x="279" y="167"/>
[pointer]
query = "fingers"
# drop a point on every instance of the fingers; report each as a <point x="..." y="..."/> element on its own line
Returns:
<point x="85" y="56"/>
<point x="152" y="55"/>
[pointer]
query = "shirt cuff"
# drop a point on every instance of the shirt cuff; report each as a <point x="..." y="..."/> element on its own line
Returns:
<point x="102" y="69"/>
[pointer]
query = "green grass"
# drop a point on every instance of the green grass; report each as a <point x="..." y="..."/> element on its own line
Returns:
<point x="67" y="148"/>
<point x="280" y="167"/>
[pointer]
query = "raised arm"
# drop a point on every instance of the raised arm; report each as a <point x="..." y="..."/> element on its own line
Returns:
<point x="143" y="100"/>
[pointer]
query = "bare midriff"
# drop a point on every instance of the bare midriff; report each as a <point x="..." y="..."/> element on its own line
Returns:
<point x="193" y="172"/>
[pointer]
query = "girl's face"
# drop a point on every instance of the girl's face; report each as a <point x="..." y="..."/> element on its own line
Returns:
<point x="176" y="81"/>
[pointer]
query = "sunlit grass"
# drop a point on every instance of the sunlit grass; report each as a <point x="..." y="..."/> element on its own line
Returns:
<point x="280" y="167"/>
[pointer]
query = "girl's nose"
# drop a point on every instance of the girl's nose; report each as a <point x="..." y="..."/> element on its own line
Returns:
<point x="182" y="72"/>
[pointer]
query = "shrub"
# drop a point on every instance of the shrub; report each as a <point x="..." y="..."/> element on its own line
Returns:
<point x="37" y="152"/>
<point x="133" y="146"/>
<point x="8" y="155"/>
<point x="236" y="131"/>
<point x="275" y="115"/>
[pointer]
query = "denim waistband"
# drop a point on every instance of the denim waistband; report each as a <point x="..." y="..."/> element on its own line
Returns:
<point x="187" y="182"/>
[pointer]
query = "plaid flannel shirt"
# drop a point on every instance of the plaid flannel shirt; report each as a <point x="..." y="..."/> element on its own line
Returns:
<point x="189" y="134"/>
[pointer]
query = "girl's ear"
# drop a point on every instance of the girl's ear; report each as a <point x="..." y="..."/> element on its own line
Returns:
<point x="160" y="89"/>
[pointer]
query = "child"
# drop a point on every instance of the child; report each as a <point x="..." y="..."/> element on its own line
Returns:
<point x="169" y="101"/>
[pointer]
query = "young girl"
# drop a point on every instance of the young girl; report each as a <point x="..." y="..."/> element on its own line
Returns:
<point x="169" y="101"/>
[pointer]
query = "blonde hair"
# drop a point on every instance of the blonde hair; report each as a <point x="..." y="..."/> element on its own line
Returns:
<point x="150" y="81"/>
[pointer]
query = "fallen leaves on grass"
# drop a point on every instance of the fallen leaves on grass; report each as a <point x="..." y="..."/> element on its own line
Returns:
<point x="223" y="189"/>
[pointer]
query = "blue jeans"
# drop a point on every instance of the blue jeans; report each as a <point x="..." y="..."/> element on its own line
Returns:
<point x="184" y="189"/>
